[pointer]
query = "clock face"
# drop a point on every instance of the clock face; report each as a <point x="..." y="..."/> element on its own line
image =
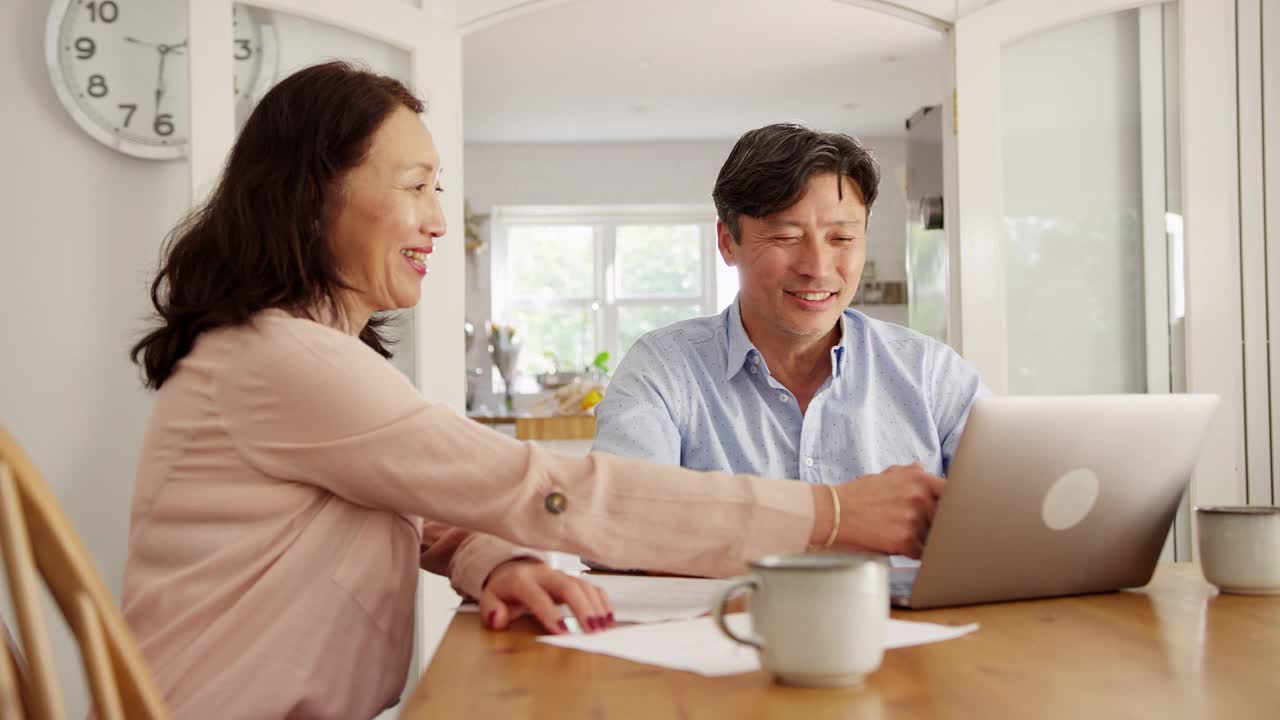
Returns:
<point x="120" y="69"/>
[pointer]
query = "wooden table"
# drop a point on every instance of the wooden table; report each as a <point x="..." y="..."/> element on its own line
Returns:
<point x="545" y="427"/>
<point x="1174" y="649"/>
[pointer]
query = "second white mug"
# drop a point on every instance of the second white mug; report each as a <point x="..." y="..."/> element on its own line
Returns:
<point x="1240" y="548"/>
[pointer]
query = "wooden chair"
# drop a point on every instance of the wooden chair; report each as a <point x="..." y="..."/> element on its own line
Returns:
<point x="15" y="681"/>
<point x="37" y="538"/>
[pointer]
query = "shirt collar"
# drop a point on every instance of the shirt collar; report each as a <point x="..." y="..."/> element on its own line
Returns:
<point x="740" y="347"/>
<point x="839" y="351"/>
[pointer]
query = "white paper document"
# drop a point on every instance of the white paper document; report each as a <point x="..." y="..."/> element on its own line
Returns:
<point x="639" y="598"/>
<point x="698" y="646"/>
<point x="645" y="599"/>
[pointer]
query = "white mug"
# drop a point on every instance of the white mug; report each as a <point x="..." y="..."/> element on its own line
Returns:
<point x="1240" y="548"/>
<point x="818" y="619"/>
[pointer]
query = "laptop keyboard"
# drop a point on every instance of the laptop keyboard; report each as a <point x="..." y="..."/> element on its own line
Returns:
<point x="900" y="582"/>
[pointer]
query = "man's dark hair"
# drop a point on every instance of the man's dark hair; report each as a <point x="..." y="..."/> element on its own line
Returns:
<point x="768" y="168"/>
<point x="259" y="240"/>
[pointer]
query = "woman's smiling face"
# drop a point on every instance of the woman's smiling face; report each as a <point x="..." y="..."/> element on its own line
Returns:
<point x="386" y="218"/>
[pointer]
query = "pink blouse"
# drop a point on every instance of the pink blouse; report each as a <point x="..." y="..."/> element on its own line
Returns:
<point x="292" y="482"/>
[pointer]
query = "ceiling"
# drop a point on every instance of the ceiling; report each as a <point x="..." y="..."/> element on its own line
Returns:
<point x="621" y="70"/>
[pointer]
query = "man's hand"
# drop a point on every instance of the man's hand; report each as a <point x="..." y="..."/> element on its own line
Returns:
<point x="529" y="585"/>
<point x="889" y="512"/>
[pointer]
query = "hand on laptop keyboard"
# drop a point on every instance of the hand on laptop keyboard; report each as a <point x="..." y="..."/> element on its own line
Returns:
<point x="889" y="512"/>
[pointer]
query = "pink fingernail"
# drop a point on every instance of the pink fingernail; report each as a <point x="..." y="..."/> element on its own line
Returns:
<point x="563" y="628"/>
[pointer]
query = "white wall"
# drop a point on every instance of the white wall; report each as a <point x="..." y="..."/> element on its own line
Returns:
<point x="82" y="229"/>
<point x="637" y="173"/>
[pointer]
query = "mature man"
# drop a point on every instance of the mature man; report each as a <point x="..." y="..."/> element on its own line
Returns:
<point x="788" y="382"/>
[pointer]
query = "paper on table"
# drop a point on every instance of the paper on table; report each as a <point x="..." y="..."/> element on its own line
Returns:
<point x="638" y="598"/>
<point x="698" y="645"/>
<point x="691" y="645"/>
<point x="646" y="599"/>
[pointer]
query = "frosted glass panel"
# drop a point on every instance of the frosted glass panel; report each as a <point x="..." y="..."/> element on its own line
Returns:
<point x="306" y="42"/>
<point x="1076" y="264"/>
<point x="290" y="43"/>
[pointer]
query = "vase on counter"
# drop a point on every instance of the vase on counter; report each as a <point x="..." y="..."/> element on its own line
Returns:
<point x="504" y="346"/>
<point x="473" y="385"/>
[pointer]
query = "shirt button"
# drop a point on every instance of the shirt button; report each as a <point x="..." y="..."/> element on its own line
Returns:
<point x="555" y="503"/>
<point x="756" y="359"/>
<point x="753" y="371"/>
<point x="782" y="397"/>
<point x="808" y="462"/>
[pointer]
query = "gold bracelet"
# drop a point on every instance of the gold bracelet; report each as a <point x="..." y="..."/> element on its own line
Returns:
<point x="835" y="526"/>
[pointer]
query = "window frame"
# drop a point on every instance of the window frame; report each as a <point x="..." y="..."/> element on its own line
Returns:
<point x="604" y="221"/>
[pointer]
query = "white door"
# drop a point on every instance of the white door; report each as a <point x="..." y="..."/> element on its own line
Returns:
<point x="417" y="42"/>
<point x="1090" y="253"/>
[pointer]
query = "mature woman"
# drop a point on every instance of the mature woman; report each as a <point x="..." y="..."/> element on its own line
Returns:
<point x="292" y="482"/>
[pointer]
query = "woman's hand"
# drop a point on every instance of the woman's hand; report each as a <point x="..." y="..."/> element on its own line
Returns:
<point x="530" y="585"/>
<point x="888" y="512"/>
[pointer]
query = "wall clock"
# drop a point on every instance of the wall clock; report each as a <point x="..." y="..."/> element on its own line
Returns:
<point x="119" y="67"/>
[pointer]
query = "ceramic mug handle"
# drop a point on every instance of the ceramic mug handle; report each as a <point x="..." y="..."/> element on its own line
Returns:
<point x="749" y="583"/>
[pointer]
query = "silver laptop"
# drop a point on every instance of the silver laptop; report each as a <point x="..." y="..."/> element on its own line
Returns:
<point x="1055" y="496"/>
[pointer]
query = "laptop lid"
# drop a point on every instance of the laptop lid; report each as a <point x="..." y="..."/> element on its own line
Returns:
<point x="1055" y="496"/>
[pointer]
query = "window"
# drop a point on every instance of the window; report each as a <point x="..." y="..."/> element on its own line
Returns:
<point x="576" y="281"/>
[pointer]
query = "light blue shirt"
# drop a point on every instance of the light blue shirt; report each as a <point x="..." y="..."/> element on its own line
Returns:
<point x="699" y="394"/>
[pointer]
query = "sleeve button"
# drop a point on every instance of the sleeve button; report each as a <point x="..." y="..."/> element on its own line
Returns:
<point x="555" y="503"/>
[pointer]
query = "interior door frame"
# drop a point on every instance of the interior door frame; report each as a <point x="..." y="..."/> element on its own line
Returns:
<point x="1212" y="260"/>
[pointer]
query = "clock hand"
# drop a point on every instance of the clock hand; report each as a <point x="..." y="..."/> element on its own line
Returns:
<point x="136" y="41"/>
<point x="160" y="78"/>
<point x="164" y="53"/>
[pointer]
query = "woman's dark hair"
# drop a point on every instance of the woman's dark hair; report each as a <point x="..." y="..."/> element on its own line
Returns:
<point x="259" y="241"/>
<point x="768" y="168"/>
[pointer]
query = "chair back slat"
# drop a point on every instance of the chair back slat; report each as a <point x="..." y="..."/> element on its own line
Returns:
<point x="69" y="574"/>
<point x="97" y="660"/>
<point x="24" y="588"/>
<point x="15" y="691"/>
